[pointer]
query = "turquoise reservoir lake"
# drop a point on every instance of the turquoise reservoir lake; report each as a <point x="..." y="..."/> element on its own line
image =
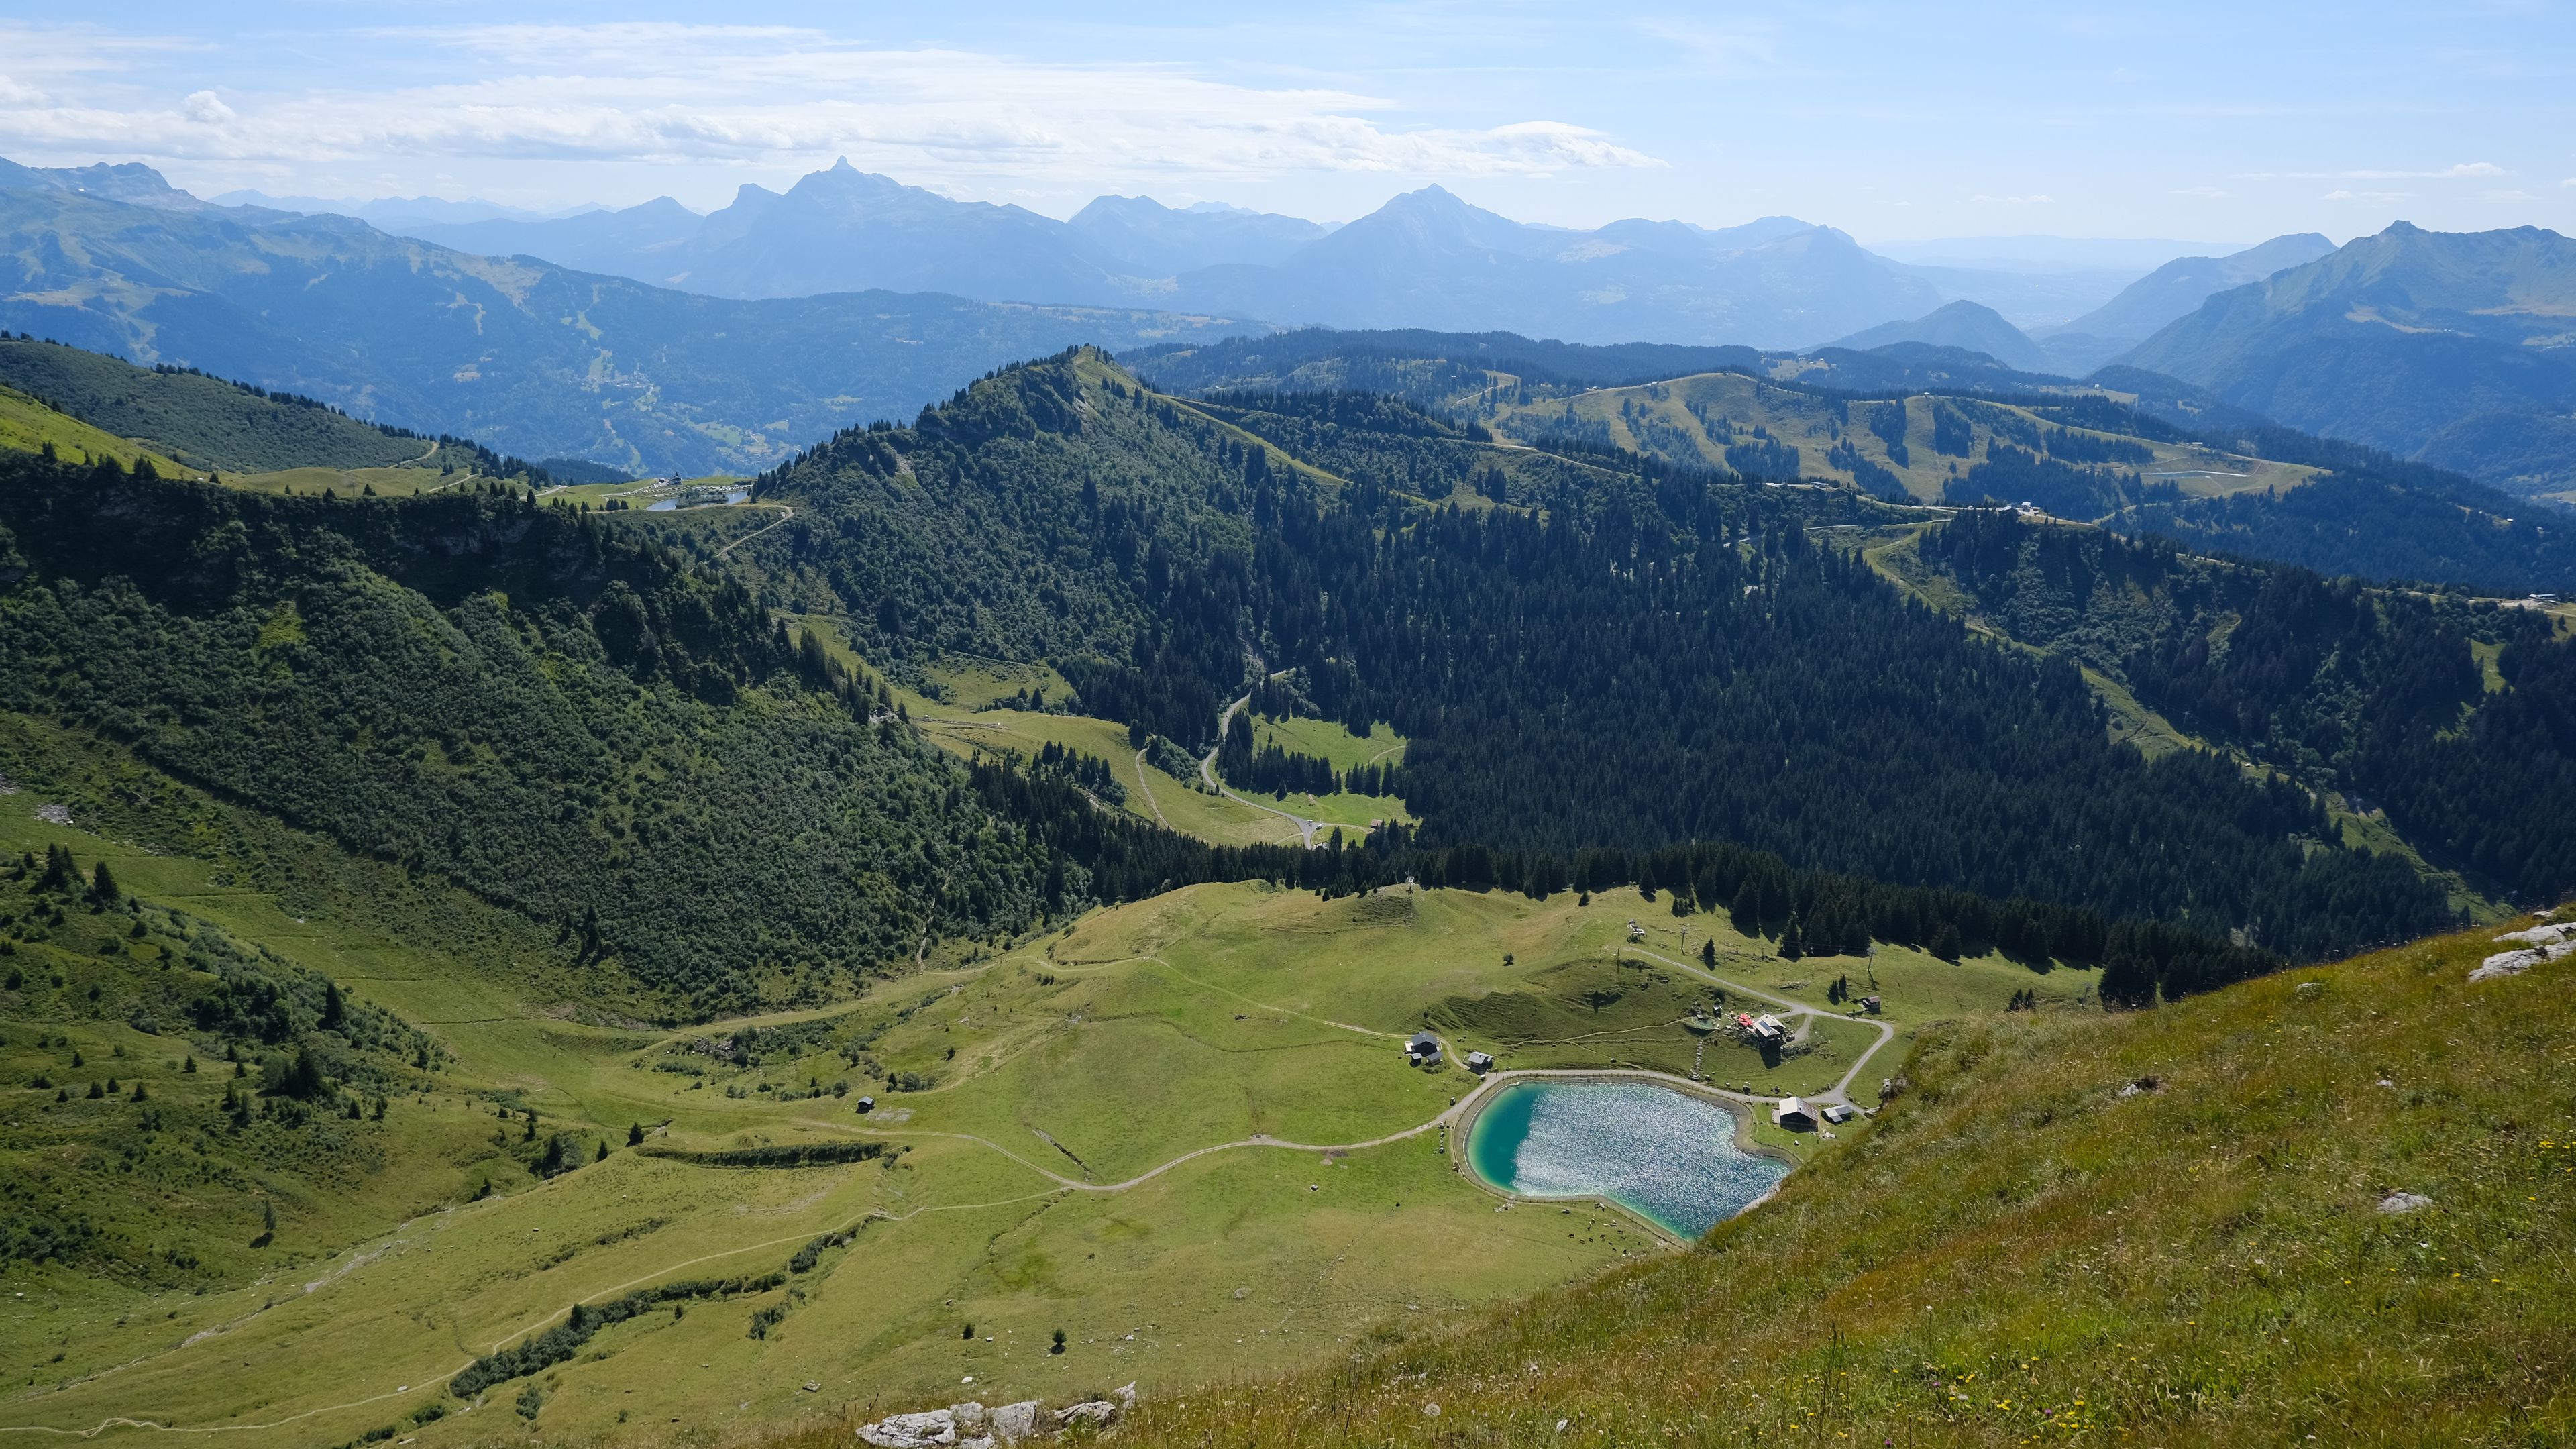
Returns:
<point x="1663" y="1153"/>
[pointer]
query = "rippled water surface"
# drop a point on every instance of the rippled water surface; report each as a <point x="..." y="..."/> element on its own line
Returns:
<point x="1666" y="1154"/>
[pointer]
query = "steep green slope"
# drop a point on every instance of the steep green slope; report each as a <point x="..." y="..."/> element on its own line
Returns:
<point x="30" y="425"/>
<point x="558" y="715"/>
<point x="204" y="422"/>
<point x="1044" y="514"/>
<point x="113" y="1118"/>
<point x="226" y="941"/>
<point x="2173" y="1227"/>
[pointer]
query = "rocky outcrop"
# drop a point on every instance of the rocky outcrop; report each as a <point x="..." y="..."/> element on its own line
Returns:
<point x="972" y="1426"/>
<point x="912" y="1431"/>
<point x="2545" y="934"/>
<point x="2514" y="963"/>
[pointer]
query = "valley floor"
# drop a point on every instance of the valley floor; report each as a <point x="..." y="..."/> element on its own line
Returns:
<point x="1087" y="1131"/>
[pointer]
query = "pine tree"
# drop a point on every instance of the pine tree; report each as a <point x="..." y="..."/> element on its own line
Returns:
<point x="61" y="874"/>
<point x="635" y="1134"/>
<point x="304" y="1079"/>
<point x="334" y="1010"/>
<point x="102" y="885"/>
<point x="1746" y="914"/>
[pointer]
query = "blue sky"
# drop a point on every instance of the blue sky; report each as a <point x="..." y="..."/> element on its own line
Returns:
<point x="2198" y="121"/>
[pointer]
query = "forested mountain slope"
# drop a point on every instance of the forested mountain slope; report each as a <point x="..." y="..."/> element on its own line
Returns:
<point x="1653" y="660"/>
<point x="2380" y="694"/>
<point x="2140" y="452"/>
<point x="562" y="717"/>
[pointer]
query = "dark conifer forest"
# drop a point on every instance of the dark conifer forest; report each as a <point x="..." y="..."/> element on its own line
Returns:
<point x="2377" y="693"/>
<point x="1659" y="659"/>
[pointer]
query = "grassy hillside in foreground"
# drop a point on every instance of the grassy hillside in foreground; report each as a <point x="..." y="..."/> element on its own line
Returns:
<point x="2020" y="1248"/>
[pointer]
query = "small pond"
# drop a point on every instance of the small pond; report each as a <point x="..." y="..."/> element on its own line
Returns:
<point x="1663" y="1153"/>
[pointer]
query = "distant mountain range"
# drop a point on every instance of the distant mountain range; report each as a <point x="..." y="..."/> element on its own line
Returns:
<point x="653" y="337"/>
<point x="534" y="358"/>
<point x="2168" y="292"/>
<point x="1425" y="259"/>
<point x="2450" y="348"/>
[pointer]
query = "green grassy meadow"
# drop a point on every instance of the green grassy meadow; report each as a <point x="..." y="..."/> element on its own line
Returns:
<point x="1152" y="1129"/>
<point x="2146" y="1228"/>
<point x="1046" y="1079"/>
<point x="1660" y="418"/>
<point x="1044" y="1108"/>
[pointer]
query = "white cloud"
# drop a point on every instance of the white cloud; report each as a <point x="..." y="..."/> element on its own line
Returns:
<point x="2013" y="200"/>
<point x="773" y="96"/>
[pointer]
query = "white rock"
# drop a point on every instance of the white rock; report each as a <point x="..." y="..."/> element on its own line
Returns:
<point x="2543" y="935"/>
<point x="969" y="1417"/>
<point x="1015" y="1422"/>
<point x="2404" y="1202"/>
<point x="1126" y="1396"/>
<point x="1097" y="1413"/>
<point x="912" y="1431"/>
<point x="2507" y="963"/>
<point x="980" y="1441"/>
